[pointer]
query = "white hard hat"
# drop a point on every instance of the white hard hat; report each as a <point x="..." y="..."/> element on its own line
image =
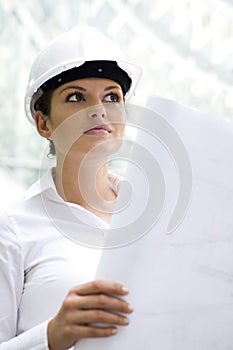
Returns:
<point x="70" y="50"/>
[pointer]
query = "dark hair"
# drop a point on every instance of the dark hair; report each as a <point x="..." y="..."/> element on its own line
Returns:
<point x="43" y="104"/>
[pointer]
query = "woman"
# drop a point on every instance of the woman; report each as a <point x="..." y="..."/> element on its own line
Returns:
<point x="75" y="97"/>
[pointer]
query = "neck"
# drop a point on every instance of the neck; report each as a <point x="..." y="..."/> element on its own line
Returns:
<point x="86" y="183"/>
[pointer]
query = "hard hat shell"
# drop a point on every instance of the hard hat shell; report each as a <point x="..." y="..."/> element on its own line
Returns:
<point x="72" y="49"/>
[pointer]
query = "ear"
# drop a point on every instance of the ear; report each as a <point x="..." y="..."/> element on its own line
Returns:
<point x="43" y="125"/>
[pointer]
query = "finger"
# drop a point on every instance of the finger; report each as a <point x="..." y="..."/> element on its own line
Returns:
<point x="99" y="316"/>
<point x="94" y="332"/>
<point x="103" y="301"/>
<point x="101" y="286"/>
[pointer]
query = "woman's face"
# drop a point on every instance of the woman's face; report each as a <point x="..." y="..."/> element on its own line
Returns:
<point x="86" y="113"/>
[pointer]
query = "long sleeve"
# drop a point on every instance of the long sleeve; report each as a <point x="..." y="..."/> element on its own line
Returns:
<point x="33" y="339"/>
<point x="38" y="264"/>
<point x="11" y="288"/>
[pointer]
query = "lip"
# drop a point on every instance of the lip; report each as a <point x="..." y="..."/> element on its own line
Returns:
<point x="102" y="127"/>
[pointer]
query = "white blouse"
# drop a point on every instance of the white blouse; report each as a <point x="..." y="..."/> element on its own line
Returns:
<point x="47" y="246"/>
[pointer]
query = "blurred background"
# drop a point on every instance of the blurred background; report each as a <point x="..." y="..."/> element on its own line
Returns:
<point x="185" y="48"/>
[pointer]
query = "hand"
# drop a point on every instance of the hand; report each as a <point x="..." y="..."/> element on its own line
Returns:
<point x="84" y="306"/>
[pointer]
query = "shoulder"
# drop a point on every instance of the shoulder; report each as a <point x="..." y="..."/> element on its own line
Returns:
<point x="8" y="225"/>
<point x="11" y="257"/>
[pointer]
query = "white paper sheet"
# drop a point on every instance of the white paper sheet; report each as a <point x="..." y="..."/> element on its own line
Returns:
<point x="181" y="283"/>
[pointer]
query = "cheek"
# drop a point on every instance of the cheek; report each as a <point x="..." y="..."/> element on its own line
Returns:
<point x="66" y="129"/>
<point x="115" y="112"/>
<point x="120" y="130"/>
<point x="57" y="115"/>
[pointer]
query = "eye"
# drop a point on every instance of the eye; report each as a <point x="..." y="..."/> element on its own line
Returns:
<point x="75" y="97"/>
<point x="112" y="97"/>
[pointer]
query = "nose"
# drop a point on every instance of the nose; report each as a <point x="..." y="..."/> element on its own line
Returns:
<point x="97" y="111"/>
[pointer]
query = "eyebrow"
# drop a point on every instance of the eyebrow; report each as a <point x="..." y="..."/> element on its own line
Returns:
<point x="112" y="87"/>
<point x="83" y="89"/>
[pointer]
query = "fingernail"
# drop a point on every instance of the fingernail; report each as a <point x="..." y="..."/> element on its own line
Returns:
<point x="126" y="320"/>
<point x="114" y="331"/>
<point x="125" y="289"/>
<point x="130" y="307"/>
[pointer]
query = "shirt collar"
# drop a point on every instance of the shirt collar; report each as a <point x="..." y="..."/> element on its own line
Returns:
<point x="46" y="182"/>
